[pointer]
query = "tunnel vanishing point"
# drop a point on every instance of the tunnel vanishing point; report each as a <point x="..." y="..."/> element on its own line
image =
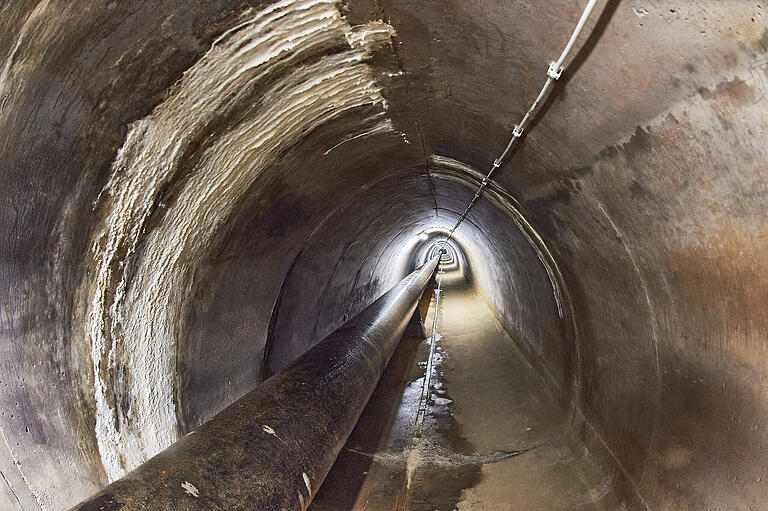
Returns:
<point x="226" y="278"/>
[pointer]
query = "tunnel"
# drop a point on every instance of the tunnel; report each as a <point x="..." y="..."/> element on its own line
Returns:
<point x="193" y="194"/>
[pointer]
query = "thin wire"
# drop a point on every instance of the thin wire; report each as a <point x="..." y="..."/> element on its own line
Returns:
<point x="426" y="387"/>
<point x="554" y="72"/>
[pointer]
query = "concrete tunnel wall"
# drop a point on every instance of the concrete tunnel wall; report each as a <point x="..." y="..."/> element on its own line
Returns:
<point x="167" y="170"/>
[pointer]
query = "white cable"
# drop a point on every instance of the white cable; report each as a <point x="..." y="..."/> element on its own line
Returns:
<point x="554" y="71"/>
<point x="576" y="32"/>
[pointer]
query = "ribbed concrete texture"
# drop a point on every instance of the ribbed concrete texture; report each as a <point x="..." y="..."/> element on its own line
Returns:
<point x="192" y="194"/>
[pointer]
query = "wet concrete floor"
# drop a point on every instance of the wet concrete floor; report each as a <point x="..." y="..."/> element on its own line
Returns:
<point x="488" y="436"/>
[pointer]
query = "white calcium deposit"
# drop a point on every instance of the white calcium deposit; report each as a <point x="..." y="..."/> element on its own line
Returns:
<point x="144" y="270"/>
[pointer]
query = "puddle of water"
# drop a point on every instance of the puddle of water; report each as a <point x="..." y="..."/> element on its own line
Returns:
<point x="440" y="465"/>
<point x="383" y="466"/>
<point x="443" y="469"/>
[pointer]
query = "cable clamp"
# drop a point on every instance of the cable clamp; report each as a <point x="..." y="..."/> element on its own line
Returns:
<point x="554" y="72"/>
<point x="485" y="181"/>
<point x="517" y="132"/>
<point x="496" y="163"/>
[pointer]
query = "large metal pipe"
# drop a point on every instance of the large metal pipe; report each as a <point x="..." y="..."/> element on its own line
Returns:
<point x="272" y="449"/>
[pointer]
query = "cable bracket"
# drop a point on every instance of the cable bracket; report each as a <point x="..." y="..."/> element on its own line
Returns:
<point x="554" y="72"/>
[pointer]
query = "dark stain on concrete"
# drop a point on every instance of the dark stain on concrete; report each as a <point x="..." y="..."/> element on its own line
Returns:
<point x="639" y="143"/>
<point x="639" y="192"/>
<point x="725" y="123"/>
<point x="609" y="152"/>
<point x="563" y="191"/>
<point x="737" y="91"/>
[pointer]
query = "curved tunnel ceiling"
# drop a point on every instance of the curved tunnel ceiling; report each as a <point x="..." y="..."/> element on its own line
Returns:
<point x="190" y="196"/>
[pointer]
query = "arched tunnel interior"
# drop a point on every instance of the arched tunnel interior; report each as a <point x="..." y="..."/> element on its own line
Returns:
<point x="194" y="193"/>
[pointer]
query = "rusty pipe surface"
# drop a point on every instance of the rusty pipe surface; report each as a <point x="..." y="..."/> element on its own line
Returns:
<point x="272" y="449"/>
